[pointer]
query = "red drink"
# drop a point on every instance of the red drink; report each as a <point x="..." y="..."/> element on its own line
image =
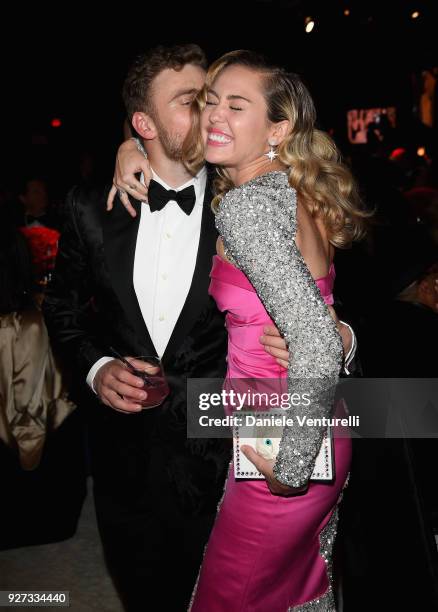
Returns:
<point x="155" y="385"/>
<point x="157" y="389"/>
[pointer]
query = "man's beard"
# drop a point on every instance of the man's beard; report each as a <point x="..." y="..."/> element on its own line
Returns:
<point x="171" y="143"/>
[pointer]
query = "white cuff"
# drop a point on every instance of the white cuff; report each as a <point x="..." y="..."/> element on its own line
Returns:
<point x="93" y="371"/>
<point x="352" y="352"/>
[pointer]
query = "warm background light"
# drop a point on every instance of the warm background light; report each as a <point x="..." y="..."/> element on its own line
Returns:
<point x="310" y="24"/>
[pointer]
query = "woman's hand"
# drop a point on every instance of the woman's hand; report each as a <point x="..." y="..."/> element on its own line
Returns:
<point x="129" y="161"/>
<point x="265" y="467"/>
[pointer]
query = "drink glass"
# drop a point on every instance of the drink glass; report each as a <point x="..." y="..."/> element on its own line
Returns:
<point x="155" y="385"/>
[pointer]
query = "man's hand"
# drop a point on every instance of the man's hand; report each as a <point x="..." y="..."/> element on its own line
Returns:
<point x="344" y="331"/>
<point x="347" y="338"/>
<point x="275" y="345"/>
<point x="118" y="388"/>
<point x="265" y="466"/>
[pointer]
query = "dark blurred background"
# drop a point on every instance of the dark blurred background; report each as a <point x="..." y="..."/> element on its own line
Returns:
<point x="372" y="67"/>
<point x="67" y="63"/>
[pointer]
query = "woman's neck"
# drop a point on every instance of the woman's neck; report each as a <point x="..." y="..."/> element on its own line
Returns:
<point x="256" y="168"/>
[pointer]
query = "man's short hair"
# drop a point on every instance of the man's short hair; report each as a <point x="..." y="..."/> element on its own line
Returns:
<point x="137" y="85"/>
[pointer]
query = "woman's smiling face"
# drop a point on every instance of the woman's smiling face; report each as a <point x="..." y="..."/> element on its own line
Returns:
<point x="234" y="123"/>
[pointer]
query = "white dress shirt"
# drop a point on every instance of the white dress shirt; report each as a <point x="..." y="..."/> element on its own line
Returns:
<point x="164" y="263"/>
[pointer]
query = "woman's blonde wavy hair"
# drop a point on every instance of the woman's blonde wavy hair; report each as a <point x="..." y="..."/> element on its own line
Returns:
<point x="321" y="180"/>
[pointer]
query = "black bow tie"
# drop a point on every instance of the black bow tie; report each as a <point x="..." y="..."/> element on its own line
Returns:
<point x="158" y="197"/>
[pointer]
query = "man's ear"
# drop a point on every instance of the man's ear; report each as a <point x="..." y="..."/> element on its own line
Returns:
<point x="144" y="126"/>
<point x="279" y="131"/>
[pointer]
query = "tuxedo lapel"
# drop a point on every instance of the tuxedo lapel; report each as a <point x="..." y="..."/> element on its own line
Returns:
<point x="198" y="292"/>
<point x="120" y="238"/>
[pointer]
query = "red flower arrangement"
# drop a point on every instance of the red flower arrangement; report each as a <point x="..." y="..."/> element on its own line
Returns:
<point x="43" y="243"/>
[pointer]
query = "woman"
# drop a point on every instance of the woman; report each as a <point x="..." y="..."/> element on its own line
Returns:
<point x="41" y="451"/>
<point x="283" y="203"/>
<point x="34" y="399"/>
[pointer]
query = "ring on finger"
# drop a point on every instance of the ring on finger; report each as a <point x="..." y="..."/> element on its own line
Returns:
<point x="121" y="192"/>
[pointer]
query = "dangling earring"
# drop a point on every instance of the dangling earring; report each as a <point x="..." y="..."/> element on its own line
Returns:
<point x="271" y="155"/>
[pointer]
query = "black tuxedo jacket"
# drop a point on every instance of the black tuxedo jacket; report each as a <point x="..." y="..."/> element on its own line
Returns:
<point x="91" y="305"/>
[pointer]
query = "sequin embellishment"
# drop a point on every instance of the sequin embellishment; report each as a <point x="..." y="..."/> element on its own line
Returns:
<point x="257" y="222"/>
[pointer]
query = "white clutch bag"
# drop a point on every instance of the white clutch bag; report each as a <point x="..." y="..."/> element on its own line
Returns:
<point x="266" y="441"/>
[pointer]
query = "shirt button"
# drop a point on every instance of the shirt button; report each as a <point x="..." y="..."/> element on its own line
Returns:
<point x="164" y="276"/>
<point x="168" y="235"/>
<point x="161" y="318"/>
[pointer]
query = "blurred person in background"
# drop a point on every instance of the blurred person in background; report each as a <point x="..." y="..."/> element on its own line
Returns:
<point x="389" y="534"/>
<point x="43" y="473"/>
<point x="30" y="206"/>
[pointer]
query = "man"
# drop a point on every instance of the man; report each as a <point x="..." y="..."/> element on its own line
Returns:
<point x="141" y="286"/>
<point x="31" y="208"/>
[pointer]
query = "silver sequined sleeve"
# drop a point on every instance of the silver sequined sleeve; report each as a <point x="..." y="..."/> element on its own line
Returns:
<point x="257" y="222"/>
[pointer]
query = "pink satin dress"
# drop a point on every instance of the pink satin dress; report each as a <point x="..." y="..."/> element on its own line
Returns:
<point x="267" y="553"/>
